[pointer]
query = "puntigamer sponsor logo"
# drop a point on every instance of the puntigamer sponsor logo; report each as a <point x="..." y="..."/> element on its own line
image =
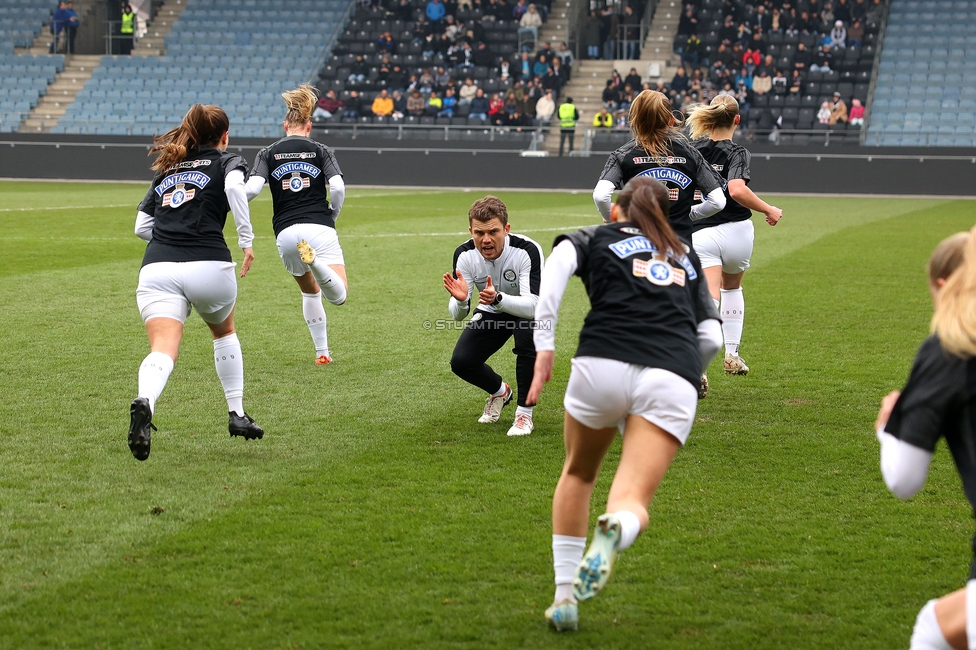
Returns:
<point x="634" y="245"/>
<point x="193" y="178"/>
<point x="291" y="168"/>
<point x="668" y="175"/>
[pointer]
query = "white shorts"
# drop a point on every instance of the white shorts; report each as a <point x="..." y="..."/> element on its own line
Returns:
<point x="323" y="239"/>
<point x="167" y="289"/>
<point x="603" y="392"/>
<point x="728" y="245"/>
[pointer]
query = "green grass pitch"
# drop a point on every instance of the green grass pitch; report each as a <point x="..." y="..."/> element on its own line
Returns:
<point x="378" y="513"/>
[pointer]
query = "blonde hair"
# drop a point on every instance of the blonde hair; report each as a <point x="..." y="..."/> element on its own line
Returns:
<point x="203" y="125"/>
<point x="653" y="123"/>
<point x="946" y="257"/>
<point x="300" y="103"/>
<point x="955" y="306"/>
<point x="719" y="114"/>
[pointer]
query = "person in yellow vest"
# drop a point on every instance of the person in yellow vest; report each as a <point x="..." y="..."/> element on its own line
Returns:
<point x="603" y="119"/>
<point x="127" y="29"/>
<point x="567" y="124"/>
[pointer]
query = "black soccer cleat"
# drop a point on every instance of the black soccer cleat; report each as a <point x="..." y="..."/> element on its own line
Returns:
<point x="244" y="426"/>
<point x="140" y="422"/>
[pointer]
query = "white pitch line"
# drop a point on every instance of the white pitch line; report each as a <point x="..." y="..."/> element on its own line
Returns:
<point x="68" y="207"/>
<point x="450" y="234"/>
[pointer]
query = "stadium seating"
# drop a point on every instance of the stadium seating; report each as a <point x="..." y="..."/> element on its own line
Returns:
<point x="926" y="89"/>
<point x="23" y="78"/>
<point x="238" y="55"/>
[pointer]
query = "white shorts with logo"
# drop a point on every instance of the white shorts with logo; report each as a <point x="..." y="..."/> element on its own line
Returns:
<point x="323" y="239"/>
<point x="603" y="392"/>
<point x="728" y="245"/>
<point x="168" y="289"/>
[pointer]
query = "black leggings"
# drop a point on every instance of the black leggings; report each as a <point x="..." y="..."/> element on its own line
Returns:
<point x="484" y="336"/>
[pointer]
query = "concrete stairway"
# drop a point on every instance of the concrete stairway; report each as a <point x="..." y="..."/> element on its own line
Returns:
<point x="586" y="89"/>
<point x="151" y="43"/>
<point x="77" y="70"/>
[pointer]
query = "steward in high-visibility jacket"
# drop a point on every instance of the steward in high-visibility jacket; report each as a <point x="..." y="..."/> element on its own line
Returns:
<point x="568" y="115"/>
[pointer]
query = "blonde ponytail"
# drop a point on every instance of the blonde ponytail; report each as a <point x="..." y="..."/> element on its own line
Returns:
<point x="955" y="310"/>
<point x="719" y="114"/>
<point x="300" y="103"/>
<point x="653" y="123"/>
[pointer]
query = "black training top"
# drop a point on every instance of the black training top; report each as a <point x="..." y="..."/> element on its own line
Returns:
<point x="731" y="161"/>
<point x="645" y="309"/>
<point x="189" y="208"/>
<point x="939" y="401"/>
<point x="683" y="172"/>
<point x="298" y="170"/>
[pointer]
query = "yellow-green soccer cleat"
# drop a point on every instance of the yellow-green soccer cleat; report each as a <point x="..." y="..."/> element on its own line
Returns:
<point x="734" y="365"/>
<point x="563" y="615"/>
<point x="594" y="571"/>
<point x="306" y="252"/>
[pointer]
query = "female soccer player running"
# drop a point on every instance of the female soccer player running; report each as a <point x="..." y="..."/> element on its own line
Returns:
<point x="307" y="193"/>
<point x="661" y="152"/>
<point x="724" y="241"/>
<point x="187" y="262"/>
<point x="938" y="401"/>
<point x="646" y="289"/>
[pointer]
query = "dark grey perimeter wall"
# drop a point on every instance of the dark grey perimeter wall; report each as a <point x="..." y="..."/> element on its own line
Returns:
<point x="797" y="170"/>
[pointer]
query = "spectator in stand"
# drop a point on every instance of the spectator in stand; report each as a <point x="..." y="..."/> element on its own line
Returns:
<point x="744" y="98"/>
<point x="859" y="9"/>
<point x="72" y="22"/>
<point x="511" y="103"/>
<point x="482" y="56"/>
<point x="760" y="21"/>
<point x="728" y="32"/>
<point x="127" y="27"/>
<point x="435" y="13"/>
<point x="566" y="60"/>
<point x="626" y="98"/>
<point x="327" y="106"/>
<point x="545" y="107"/>
<point x="524" y="67"/>
<point x="548" y="51"/>
<point x="385" y="44"/>
<point x="399" y="105"/>
<point x="875" y="12"/>
<point x="383" y="104"/>
<point x="796" y="83"/>
<point x="416" y="103"/>
<point x="467" y="92"/>
<point x="823" y="115"/>
<point x="822" y="60"/>
<point x="838" y="35"/>
<point x="857" y="112"/>
<point x="353" y="106"/>
<point x="442" y="78"/>
<point x="742" y="34"/>
<point x="540" y="67"/>
<point x="519" y="10"/>
<point x="691" y="52"/>
<point x="358" y="70"/>
<point x="688" y="23"/>
<point x="777" y="22"/>
<point x="496" y="109"/>
<point x="679" y="83"/>
<point x="450" y="27"/>
<point x="396" y="80"/>
<point x="530" y="22"/>
<point x="479" y="106"/>
<point x="838" y="110"/>
<point x="603" y="119"/>
<point x="801" y="59"/>
<point x="611" y="24"/>
<point x="611" y="96"/>
<point x="723" y="55"/>
<point x="751" y="59"/>
<point x="426" y="81"/>
<point x="855" y="35"/>
<point x="448" y="104"/>
<point x="758" y="43"/>
<point x="558" y="70"/>
<point x="631" y="22"/>
<point x="632" y="79"/>
<point x="842" y="11"/>
<point x="762" y="84"/>
<point x="59" y="25"/>
<point x="404" y="11"/>
<point x="592" y="36"/>
<point x="504" y="70"/>
<point x="780" y="83"/>
<point x="744" y="78"/>
<point x="434" y="104"/>
<point x="768" y="64"/>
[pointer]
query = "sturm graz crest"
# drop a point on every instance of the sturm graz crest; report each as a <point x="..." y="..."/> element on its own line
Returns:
<point x="178" y="196"/>
<point x="296" y="182"/>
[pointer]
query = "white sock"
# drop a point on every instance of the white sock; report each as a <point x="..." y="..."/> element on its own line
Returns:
<point x="733" y="313"/>
<point x="500" y="391"/>
<point x="927" y="634"/>
<point x="329" y="281"/>
<point x="524" y="410"/>
<point x="153" y="375"/>
<point x="314" y="313"/>
<point x="567" y="553"/>
<point x="230" y="369"/>
<point x="629" y="528"/>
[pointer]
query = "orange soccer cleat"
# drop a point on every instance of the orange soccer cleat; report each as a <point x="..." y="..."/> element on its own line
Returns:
<point x="322" y="360"/>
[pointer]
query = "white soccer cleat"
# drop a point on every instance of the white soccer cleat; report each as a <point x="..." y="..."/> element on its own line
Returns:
<point x="494" y="406"/>
<point x="563" y="615"/>
<point x="734" y="365"/>
<point x="594" y="570"/>
<point x="523" y="425"/>
<point x="306" y="252"/>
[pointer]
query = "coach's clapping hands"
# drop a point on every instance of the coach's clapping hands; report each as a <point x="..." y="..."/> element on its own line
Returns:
<point x="456" y="287"/>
